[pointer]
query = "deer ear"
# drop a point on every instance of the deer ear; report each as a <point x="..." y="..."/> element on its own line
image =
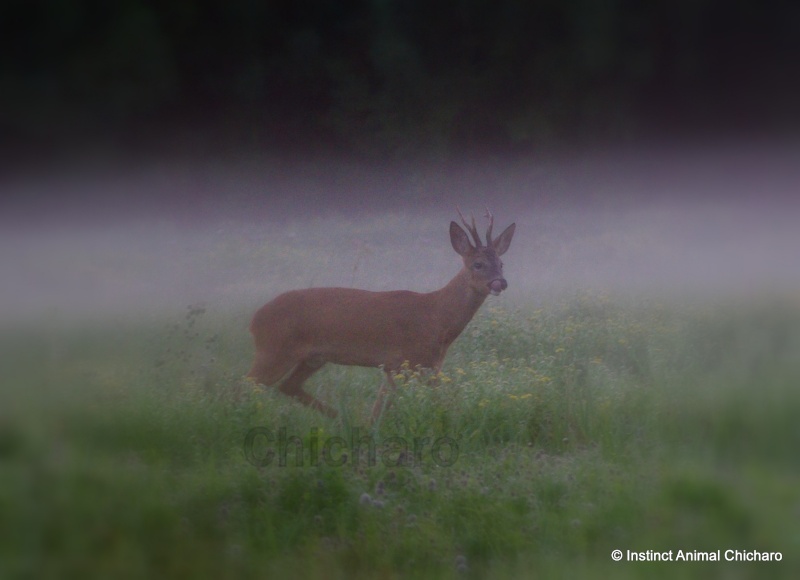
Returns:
<point x="503" y="241"/>
<point x="459" y="240"/>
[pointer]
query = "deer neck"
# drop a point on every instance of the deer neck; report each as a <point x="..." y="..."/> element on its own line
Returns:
<point x="457" y="303"/>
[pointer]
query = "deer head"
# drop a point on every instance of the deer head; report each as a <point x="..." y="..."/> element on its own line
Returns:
<point x="482" y="261"/>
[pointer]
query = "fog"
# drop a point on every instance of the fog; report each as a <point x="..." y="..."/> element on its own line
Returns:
<point x="101" y="240"/>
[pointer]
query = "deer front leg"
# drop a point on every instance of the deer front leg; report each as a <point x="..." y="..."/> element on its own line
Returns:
<point x="384" y="400"/>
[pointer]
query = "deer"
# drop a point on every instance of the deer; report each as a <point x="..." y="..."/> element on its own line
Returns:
<point x="300" y="331"/>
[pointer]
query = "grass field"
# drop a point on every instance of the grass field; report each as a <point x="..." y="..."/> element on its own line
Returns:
<point x="559" y="432"/>
<point x="567" y="423"/>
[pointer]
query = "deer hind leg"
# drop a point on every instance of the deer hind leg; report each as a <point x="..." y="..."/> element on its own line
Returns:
<point x="268" y="370"/>
<point x="293" y="386"/>
<point x="384" y="400"/>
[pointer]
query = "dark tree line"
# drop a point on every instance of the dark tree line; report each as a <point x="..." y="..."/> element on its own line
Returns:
<point x="393" y="76"/>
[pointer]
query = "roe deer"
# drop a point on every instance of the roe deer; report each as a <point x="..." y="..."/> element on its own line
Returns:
<point x="301" y="330"/>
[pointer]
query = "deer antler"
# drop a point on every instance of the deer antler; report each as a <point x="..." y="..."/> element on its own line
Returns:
<point x="490" y="217"/>
<point x="472" y="229"/>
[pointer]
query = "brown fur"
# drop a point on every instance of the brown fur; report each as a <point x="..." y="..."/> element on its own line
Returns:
<point x="299" y="331"/>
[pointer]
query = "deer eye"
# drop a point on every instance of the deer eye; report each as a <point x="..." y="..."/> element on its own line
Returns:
<point x="477" y="265"/>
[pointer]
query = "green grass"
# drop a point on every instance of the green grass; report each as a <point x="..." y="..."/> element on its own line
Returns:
<point x="567" y="429"/>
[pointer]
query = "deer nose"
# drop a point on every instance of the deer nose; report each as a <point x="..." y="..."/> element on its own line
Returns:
<point x="497" y="285"/>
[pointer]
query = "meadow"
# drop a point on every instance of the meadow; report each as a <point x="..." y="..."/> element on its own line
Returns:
<point x="562" y="428"/>
<point x="587" y="426"/>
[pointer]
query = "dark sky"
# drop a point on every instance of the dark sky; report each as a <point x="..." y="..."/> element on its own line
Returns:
<point x="390" y="79"/>
<point x="157" y="152"/>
